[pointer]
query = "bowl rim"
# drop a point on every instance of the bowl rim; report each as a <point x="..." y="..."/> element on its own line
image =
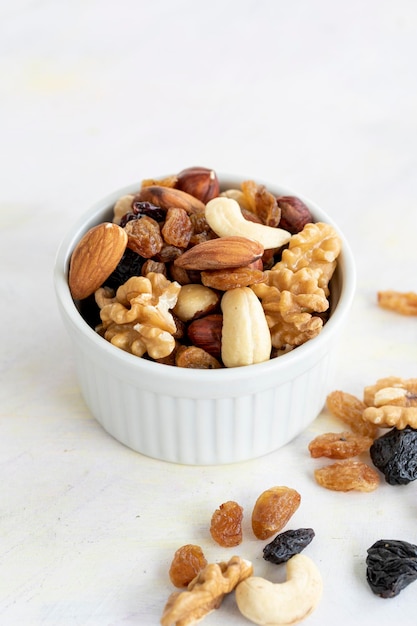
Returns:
<point x="346" y="266"/>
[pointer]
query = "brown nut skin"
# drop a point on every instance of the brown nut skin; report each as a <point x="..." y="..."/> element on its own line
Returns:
<point x="273" y="509"/>
<point x="220" y="253"/>
<point x="167" y="197"/>
<point x="294" y="214"/>
<point x="206" y="333"/>
<point x="200" y="182"/>
<point x="95" y="257"/>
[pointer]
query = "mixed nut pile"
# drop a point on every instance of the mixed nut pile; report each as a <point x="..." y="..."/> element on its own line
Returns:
<point x="191" y="275"/>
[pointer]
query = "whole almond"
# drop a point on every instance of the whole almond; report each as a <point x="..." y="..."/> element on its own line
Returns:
<point x="220" y="253"/>
<point x="166" y="198"/>
<point x="95" y="257"/>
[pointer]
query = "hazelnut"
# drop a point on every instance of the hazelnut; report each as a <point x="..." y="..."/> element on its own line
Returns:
<point x="206" y="333"/>
<point x="200" y="182"/>
<point x="294" y="214"/>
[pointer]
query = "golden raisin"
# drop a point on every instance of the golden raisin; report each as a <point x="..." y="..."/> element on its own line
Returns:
<point x="196" y="358"/>
<point x="349" y="409"/>
<point x="177" y="229"/>
<point x="339" y="445"/>
<point x="226" y="524"/>
<point x="273" y="509"/>
<point x="144" y="236"/>
<point x="347" y="476"/>
<point x="223" y="280"/>
<point x="188" y="561"/>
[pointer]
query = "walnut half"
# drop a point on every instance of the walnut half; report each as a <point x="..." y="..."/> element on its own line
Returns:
<point x="205" y="593"/>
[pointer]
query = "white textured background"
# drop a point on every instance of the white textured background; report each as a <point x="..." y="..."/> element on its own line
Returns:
<point x="318" y="96"/>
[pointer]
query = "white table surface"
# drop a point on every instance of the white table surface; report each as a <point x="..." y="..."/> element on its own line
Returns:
<point x="318" y="96"/>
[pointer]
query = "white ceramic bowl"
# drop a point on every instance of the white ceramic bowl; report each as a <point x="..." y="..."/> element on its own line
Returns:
<point x="202" y="417"/>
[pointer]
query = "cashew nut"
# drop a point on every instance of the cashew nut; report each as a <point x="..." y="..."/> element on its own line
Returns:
<point x="224" y="216"/>
<point x="245" y="333"/>
<point x="269" y="604"/>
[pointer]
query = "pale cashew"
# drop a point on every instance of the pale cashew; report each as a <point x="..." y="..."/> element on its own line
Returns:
<point x="282" y="604"/>
<point x="224" y="216"/>
<point x="245" y="333"/>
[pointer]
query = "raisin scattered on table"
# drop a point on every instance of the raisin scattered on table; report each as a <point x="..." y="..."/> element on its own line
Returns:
<point x="395" y="455"/>
<point x="226" y="524"/>
<point x="391" y="566"/>
<point x="188" y="561"/>
<point x="347" y="476"/>
<point x="342" y="445"/>
<point x="273" y="510"/>
<point x="287" y="544"/>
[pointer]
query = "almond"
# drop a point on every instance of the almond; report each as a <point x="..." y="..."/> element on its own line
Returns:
<point x="95" y="257"/>
<point x="166" y="198"/>
<point x="215" y="254"/>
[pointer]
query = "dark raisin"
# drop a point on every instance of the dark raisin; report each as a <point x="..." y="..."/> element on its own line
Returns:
<point x="395" y="455"/>
<point x="391" y="566"/>
<point x="127" y="217"/>
<point x="287" y="544"/>
<point x="140" y="209"/>
<point x="129" y="265"/>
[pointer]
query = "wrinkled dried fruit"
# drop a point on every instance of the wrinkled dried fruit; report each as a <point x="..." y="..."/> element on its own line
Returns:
<point x="391" y="565"/>
<point x="349" y="409"/>
<point x="347" y="476"/>
<point x="226" y="524"/>
<point x="130" y="264"/>
<point x="144" y="236"/>
<point x="286" y="544"/>
<point x="177" y="229"/>
<point x="226" y="279"/>
<point x="196" y="358"/>
<point x="339" y="445"/>
<point x="188" y="561"/>
<point x="273" y="509"/>
<point x="395" y="455"/>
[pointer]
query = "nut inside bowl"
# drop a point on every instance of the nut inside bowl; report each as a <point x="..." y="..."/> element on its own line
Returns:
<point x="200" y="416"/>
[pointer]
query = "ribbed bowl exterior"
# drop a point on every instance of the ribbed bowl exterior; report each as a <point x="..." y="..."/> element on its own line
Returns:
<point x="201" y="431"/>
<point x="201" y="417"/>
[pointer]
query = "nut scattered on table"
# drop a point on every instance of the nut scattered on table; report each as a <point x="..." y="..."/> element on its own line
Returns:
<point x="206" y="592"/>
<point x="281" y="604"/>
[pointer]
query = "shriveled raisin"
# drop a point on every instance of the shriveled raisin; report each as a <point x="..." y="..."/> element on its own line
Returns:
<point x="177" y="229"/>
<point x="347" y="476"/>
<point x="273" y="509"/>
<point x="141" y="208"/>
<point x="188" y="561"/>
<point x="144" y="236"/>
<point x="226" y="524"/>
<point x="395" y="455"/>
<point x="287" y="544"/>
<point x="223" y="280"/>
<point x="196" y="358"/>
<point x="339" y="445"/>
<point x="349" y="409"/>
<point x="391" y="565"/>
<point x="129" y="265"/>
